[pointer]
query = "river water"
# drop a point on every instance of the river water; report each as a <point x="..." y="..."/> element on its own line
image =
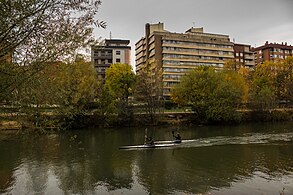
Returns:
<point x="242" y="159"/>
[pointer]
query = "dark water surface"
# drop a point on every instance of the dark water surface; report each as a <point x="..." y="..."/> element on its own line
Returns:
<point x="244" y="159"/>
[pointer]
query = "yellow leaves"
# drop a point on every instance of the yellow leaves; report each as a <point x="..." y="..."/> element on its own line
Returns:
<point x="120" y="79"/>
<point x="244" y="71"/>
<point x="76" y="82"/>
<point x="233" y="65"/>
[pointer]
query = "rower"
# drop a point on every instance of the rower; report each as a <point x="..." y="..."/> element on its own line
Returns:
<point x="146" y="136"/>
<point x="150" y="141"/>
<point x="176" y="137"/>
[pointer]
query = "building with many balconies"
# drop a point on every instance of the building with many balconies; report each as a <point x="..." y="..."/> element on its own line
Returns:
<point x="272" y="52"/>
<point x="244" y="54"/>
<point x="176" y="53"/>
<point x="110" y="51"/>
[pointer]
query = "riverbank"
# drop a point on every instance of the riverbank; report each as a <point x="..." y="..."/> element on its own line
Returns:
<point x="168" y="118"/>
<point x="9" y="126"/>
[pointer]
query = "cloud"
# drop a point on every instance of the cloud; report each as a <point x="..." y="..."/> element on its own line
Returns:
<point x="249" y="21"/>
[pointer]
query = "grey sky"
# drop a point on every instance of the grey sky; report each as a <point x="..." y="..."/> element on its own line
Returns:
<point x="247" y="21"/>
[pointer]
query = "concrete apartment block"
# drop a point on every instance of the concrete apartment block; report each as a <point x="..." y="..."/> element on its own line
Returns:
<point x="176" y="53"/>
<point x="111" y="51"/>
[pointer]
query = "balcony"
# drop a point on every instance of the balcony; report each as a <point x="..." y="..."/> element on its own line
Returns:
<point x="249" y="57"/>
<point x="103" y="56"/>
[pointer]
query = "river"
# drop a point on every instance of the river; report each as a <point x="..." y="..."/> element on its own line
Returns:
<point x="242" y="159"/>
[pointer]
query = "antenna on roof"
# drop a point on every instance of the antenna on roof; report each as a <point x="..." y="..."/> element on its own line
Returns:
<point x="193" y="24"/>
<point x="110" y="35"/>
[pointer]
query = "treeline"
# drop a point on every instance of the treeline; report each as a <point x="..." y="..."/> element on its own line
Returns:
<point x="217" y="96"/>
<point x="69" y="95"/>
<point x="66" y="95"/>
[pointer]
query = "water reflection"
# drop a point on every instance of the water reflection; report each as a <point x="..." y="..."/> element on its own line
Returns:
<point x="221" y="160"/>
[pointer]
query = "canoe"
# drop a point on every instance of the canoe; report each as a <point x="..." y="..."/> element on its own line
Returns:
<point x="145" y="146"/>
<point x="169" y="142"/>
<point x="176" y="141"/>
<point x="159" y="144"/>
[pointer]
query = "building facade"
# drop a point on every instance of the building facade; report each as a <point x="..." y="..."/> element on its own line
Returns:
<point x="272" y="52"/>
<point x="111" y="51"/>
<point x="176" y="53"/>
<point x="244" y="54"/>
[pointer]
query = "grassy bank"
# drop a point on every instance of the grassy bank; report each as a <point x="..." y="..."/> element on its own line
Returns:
<point x="13" y="125"/>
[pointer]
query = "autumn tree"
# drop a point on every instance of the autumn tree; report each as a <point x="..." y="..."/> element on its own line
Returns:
<point x="37" y="32"/>
<point x="148" y="90"/>
<point x="271" y="83"/>
<point x="213" y="96"/>
<point x="263" y="88"/>
<point x="63" y="90"/>
<point x="106" y="106"/>
<point x="288" y="75"/>
<point x="120" y="80"/>
<point x="239" y="67"/>
<point x="77" y="87"/>
<point x="233" y="65"/>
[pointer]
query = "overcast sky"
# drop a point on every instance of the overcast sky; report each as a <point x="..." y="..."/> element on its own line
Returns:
<point x="246" y="21"/>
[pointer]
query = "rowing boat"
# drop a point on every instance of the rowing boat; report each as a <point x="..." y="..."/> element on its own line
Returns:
<point x="145" y="146"/>
<point x="169" y="142"/>
<point x="160" y="144"/>
<point x="157" y="144"/>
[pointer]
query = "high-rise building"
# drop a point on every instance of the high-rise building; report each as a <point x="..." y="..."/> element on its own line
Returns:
<point x="272" y="52"/>
<point x="244" y="54"/>
<point x="177" y="53"/>
<point x="111" y="51"/>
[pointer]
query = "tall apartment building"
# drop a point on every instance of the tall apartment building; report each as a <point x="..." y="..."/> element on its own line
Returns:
<point x="111" y="51"/>
<point x="244" y="54"/>
<point x="177" y="53"/>
<point x="272" y="52"/>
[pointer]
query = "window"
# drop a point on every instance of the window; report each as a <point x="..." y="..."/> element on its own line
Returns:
<point x="118" y="52"/>
<point x="118" y="60"/>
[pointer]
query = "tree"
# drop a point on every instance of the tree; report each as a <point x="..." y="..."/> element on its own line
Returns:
<point x="41" y="24"/>
<point x="77" y="87"/>
<point x="262" y="95"/>
<point x="148" y="90"/>
<point x="233" y="65"/>
<point x="38" y="32"/>
<point x="271" y="83"/>
<point x="61" y="89"/>
<point x="37" y="92"/>
<point x="120" y="80"/>
<point x="106" y="106"/>
<point x="213" y="96"/>
<point x="288" y="68"/>
<point x="262" y="91"/>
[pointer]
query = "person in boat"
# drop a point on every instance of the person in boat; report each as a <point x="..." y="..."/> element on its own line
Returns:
<point x="177" y="136"/>
<point x="150" y="141"/>
<point x="146" y="136"/>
